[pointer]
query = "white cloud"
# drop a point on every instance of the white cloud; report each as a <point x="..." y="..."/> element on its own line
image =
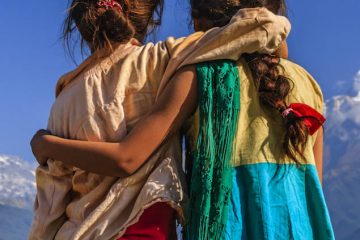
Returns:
<point x="343" y="113"/>
<point x="357" y="82"/>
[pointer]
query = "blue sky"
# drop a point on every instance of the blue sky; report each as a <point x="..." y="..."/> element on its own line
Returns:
<point x="325" y="39"/>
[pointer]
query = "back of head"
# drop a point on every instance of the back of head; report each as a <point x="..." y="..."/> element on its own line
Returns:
<point x="105" y="23"/>
<point x="220" y="12"/>
<point x="272" y="86"/>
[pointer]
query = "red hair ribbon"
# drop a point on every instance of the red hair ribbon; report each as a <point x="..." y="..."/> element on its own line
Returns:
<point x="109" y="4"/>
<point x="312" y="118"/>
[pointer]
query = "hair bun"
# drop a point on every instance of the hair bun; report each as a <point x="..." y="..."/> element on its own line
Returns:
<point x="114" y="26"/>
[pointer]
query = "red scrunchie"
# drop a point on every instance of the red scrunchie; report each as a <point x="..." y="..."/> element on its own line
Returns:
<point x="312" y="118"/>
<point x="109" y="4"/>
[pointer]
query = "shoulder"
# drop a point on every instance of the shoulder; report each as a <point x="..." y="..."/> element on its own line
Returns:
<point x="152" y="54"/>
<point x="299" y="75"/>
<point x="305" y="88"/>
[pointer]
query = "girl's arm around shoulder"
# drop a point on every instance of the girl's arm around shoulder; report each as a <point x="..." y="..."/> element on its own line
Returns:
<point x="174" y="106"/>
<point x="250" y="30"/>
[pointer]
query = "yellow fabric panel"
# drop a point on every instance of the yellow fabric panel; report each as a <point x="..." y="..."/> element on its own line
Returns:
<point x="261" y="131"/>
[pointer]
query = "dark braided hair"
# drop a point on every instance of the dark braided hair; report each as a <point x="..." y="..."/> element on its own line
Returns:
<point x="272" y="86"/>
<point x="101" y="28"/>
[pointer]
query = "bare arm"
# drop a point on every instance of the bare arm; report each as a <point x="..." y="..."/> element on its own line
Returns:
<point x="174" y="106"/>
<point x="318" y="152"/>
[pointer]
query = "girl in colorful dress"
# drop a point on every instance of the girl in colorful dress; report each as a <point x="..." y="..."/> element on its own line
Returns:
<point x="90" y="194"/>
<point x="257" y="155"/>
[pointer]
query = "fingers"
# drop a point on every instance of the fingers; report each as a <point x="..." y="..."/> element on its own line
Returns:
<point x="42" y="132"/>
<point x="36" y="146"/>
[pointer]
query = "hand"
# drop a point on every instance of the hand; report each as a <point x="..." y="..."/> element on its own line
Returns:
<point x="37" y="146"/>
<point x="282" y="51"/>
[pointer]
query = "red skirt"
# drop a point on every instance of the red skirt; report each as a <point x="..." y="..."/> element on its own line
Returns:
<point x="156" y="223"/>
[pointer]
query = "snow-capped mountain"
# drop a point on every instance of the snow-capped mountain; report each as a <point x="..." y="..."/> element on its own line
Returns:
<point x="17" y="182"/>
<point x="342" y="162"/>
<point x="17" y="193"/>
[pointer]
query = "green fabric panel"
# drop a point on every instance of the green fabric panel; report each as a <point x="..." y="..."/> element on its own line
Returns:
<point x="211" y="182"/>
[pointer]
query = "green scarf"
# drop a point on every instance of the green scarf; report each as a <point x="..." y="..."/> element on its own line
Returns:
<point x="211" y="182"/>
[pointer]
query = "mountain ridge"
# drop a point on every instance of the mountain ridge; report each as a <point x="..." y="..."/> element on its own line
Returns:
<point x="17" y="182"/>
<point x="342" y="162"/>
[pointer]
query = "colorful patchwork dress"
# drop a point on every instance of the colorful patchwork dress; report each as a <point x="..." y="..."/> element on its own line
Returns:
<point x="270" y="198"/>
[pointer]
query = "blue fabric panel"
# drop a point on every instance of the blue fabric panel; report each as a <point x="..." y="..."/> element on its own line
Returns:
<point x="277" y="202"/>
